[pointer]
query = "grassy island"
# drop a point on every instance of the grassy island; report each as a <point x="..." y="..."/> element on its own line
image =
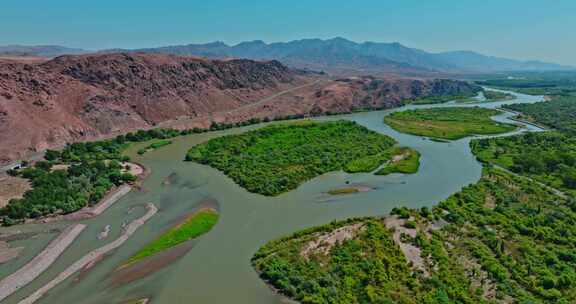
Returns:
<point x="504" y="239"/>
<point x="442" y="99"/>
<point x="279" y="158"/>
<point x="404" y="160"/>
<point x="194" y="226"/>
<point x="497" y="96"/>
<point x="447" y="123"/>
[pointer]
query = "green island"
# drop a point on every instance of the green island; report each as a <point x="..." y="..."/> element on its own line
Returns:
<point x="447" y="123"/>
<point x="154" y="146"/>
<point x="442" y="99"/>
<point x="194" y="226"/>
<point x="492" y="96"/>
<point x="404" y="160"/>
<point x="280" y="157"/>
<point x="504" y="239"/>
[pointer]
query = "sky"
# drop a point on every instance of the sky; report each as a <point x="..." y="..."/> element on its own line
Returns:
<point x="518" y="29"/>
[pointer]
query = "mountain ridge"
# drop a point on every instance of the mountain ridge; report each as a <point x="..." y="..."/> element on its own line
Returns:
<point x="338" y="55"/>
<point x="370" y="56"/>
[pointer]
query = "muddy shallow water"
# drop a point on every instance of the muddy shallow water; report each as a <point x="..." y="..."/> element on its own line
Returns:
<point x="217" y="269"/>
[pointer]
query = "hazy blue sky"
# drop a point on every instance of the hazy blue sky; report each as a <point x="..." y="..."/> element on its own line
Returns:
<point x="523" y="29"/>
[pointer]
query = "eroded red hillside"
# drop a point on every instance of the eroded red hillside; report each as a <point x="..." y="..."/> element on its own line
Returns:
<point x="72" y="98"/>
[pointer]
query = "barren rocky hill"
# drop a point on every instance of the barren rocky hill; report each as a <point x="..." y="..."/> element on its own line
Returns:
<point x="82" y="97"/>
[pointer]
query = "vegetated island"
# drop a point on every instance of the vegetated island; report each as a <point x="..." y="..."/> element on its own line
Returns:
<point x="489" y="96"/>
<point x="404" y="160"/>
<point x="155" y="145"/>
<point x="197" y="224"/>
<point x="504" y="239"/>
<point x="280" y="157"/>
<point x="447" y="123"/>
<point x="492" y="96"/>
<point x="443" y="99"/>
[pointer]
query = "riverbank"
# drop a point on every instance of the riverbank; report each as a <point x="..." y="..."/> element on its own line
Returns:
<point x="40" y="263"/>
<point x="518" y="114"/>
<point x="93" y="256"/>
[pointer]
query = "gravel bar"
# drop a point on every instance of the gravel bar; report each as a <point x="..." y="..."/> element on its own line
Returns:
<point x="92" y="256"/>
<point x="39" y="263"/>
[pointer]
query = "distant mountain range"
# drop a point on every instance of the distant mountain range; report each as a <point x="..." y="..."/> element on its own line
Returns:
<point x="338" y="55"/>
<point x="39" y="50"/>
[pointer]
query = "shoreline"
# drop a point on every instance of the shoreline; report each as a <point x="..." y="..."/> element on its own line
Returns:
<point x="93" y="256"/>
<point x="29" y="272"/>
<point x="515" y="118"/>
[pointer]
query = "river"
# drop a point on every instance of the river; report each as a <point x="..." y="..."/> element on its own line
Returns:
<point x="217" y="269"/>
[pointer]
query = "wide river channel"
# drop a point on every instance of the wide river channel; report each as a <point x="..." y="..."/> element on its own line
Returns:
<point x="217" y="269"/>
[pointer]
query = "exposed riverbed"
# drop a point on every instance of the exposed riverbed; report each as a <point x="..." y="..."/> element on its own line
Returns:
<point x="217" y="269"/>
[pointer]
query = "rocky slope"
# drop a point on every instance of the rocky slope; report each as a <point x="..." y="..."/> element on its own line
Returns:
<point x="85" y="97"/>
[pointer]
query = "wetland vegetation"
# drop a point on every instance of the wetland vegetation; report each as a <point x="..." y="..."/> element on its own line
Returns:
<point x="278" y="158"/>
<point x="447" y="123"/>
